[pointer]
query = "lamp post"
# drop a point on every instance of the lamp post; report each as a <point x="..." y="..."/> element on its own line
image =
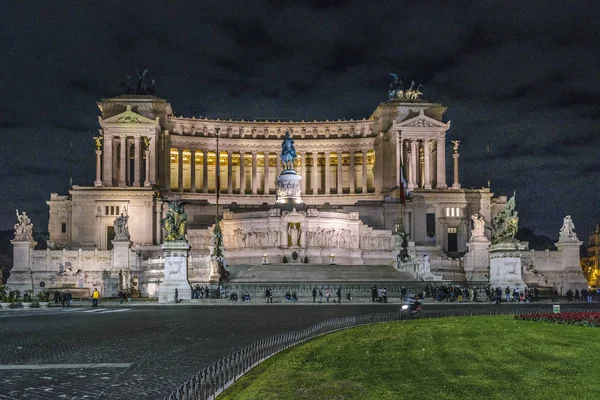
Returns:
<point x="218" y="173"/>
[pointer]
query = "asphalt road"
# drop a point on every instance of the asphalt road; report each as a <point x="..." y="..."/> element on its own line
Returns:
<point x="141" y="352"/>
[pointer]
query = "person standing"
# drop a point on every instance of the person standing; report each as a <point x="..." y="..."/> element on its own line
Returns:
<point x="339" y="294"/>
<point x="95" y="297"/>
<point x="327" y="294"/>
<point x="314" y="294"/>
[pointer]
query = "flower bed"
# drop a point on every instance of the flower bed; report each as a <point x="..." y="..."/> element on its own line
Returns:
<point x="571" y="318"/>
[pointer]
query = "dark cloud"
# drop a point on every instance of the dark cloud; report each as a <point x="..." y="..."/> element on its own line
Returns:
<point x="518" y="78"/>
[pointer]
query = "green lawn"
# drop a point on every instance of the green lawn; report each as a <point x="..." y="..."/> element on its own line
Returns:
<point x="444" y="358"/>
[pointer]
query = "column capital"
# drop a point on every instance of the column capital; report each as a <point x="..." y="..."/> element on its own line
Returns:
<point x="254" y="152"/>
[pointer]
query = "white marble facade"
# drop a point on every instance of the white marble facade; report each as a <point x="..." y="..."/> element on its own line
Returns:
<point x="350" y="174"/>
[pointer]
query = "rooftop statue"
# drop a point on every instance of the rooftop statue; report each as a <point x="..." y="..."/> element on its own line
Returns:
<point x="397" y="90"/>
<point x="506" y="223"/>
<point x="288" y="152"/>
<point x="23" y="228"/>
<point x="142" y="87"/>
<point x="174" y="222"/>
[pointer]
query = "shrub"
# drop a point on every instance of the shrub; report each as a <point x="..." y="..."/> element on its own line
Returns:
<point x="570" y="318"/>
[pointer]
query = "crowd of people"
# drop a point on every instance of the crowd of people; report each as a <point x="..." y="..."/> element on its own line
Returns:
<point x="200" y="292"/>
<point x="65" y="298"/>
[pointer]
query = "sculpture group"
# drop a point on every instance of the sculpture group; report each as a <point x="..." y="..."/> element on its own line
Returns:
<point x="23" y="228"/>
<point x="174" y="222"/>
<point x="506" y="223"/>
<point x="397" y="90"/>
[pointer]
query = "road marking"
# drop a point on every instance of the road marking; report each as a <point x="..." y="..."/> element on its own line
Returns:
<point x="64" y="366"/>
<point x="113" y="311"/>
<point x="94" y="310"/>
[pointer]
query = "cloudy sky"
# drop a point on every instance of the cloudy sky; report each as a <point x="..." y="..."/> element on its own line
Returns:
<point x="520" y="80"/>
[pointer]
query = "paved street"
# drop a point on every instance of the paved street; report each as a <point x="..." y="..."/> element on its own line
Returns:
<point x="140" y="352"/>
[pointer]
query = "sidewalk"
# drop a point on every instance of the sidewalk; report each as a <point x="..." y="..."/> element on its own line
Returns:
<point x="301" y="302"/>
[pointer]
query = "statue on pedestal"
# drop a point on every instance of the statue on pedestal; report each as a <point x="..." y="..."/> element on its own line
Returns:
<point x="478" y="226"/>
<point x="23" y="228"/>
<point x="121" y="227"/>
<point x="288" y="152"/>
<point x="568" y="229"/>
<point x="174" y="222"/>
<point x="506" y="223"/>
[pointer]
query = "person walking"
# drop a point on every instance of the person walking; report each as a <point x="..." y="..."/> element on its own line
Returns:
<point x="327" y="294"/>
<point x="95" y="297"/>
<point x="314" y="293"/>
<point x="339" y="294"/>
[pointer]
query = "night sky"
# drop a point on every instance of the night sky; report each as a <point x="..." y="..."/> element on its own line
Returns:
<point x="520" y="80"/>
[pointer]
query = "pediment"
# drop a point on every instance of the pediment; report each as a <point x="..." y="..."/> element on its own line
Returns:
<point x="130" y="117"/>
<point x="422" y="121"/>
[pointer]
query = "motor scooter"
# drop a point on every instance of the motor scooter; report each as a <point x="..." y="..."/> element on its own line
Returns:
<point x="412" y="306"/>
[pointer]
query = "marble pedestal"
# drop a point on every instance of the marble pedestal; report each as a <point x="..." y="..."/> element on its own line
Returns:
<point x="288" y="187"/>
<point x="175" y="272"/>
<point x="505" y="265"/>
<point x="477" y="259"/>
<point x="21" y="277"/>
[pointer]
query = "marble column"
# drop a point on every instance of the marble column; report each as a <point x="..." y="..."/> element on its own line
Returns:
<point x="147" y="178"/>
<point x="278" y="166"/>
<point x="98" y="181"/>
<point x="254" y="173"/>
<point x="455" y="185"/>
<point x="158" y="217"/>
<point x="193" y="170"/>
<point x="218" y="172"/>
<point x="398" y="159"/>
<point x="153" y="146"/>
<point x="414" y="155"/>
<point x="107" y="168"/>
<point x="204" y="171"/>
<point x="364" y="171"/>
<point x="123" y="162"/>
<point x="441" y="163"/>
<point x="327" y="172"/>
<point x="266" y="173"/>
<point x="352" y="173"/>
<point x="242" y="174"/>
<point x="427" y="154"/>
<point x="339" y="172"/>
<point x="128" y="164"/>
<point x="115" y="159"/>
<point x="315" y="173"/>
<point x="180" y="170"/>
<point x="137" y="164"/>
<point x="229" y="172"/>
<point x="303" y="172"/>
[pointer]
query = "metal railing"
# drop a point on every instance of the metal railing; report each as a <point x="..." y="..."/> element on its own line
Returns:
<point x="214" y="379"/>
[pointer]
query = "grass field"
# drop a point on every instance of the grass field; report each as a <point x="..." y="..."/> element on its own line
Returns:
<point x="445" y="358"/>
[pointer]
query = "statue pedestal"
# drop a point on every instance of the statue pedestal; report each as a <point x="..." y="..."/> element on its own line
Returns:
<point x="505" y="265"/>
<point x="21" y="276"/>
<point x="288" y="187"/>
<point x="121" y="253"/>
<point x="175" y="272"/>
<point x="571" y="275"/>
<point x="477" y="259"/>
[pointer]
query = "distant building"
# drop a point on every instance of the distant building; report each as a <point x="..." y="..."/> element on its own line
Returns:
<point x="590" y="265"/>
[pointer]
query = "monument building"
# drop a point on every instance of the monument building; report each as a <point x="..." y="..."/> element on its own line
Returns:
<point x="355" y="192"/>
